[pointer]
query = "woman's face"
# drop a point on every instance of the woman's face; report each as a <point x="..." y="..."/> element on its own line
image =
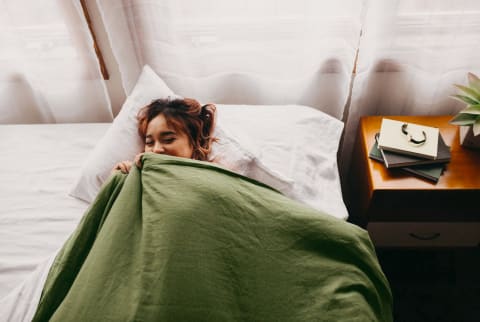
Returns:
<point x="163" y="139"/>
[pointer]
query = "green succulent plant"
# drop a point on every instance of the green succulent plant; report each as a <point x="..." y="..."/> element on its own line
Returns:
<point x="469" y="116"/>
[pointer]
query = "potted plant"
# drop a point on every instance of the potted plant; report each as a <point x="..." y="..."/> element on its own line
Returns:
<point x="469" y="118"/>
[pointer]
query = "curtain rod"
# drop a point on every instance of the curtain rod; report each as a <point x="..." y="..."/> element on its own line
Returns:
<point x="98" y="52"/>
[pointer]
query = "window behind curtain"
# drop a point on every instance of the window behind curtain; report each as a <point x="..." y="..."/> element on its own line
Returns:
<point x="49" y="69"/>
<point x="240" y="52"/>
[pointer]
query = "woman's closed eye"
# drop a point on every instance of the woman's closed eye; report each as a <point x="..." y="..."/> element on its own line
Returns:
<point x="168" y="140"/>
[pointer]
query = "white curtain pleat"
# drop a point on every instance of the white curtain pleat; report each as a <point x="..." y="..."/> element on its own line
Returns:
<point x="49" y="69"/>
<point x="240" y="52"/>
<point x="411" y="52"/>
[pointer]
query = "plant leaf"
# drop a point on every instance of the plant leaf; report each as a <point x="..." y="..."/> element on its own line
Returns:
<point x="476" y="127"/>
<point x="463" y="119"/>
<point x="474" y="81"/>
<point x="471" y="109"/>
<point x="472" y="93"/>
<point x="464" y="99"/>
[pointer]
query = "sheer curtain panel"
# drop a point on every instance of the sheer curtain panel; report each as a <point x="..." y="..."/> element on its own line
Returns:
<point x="411" y="52"/>
<point x="49" y="69"/>
<point x="240" y="52"/>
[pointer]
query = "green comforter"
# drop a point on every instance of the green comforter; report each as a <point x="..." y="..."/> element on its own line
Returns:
<point x="184" y="240"/>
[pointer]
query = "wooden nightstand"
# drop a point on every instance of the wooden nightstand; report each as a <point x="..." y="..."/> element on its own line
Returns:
<point x="400" y="210"/>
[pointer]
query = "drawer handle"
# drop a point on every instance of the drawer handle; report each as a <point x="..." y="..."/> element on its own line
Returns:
<point x="425" y="237"/>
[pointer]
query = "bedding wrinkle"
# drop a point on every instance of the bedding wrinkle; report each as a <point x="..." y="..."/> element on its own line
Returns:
<point x="357" y="269"/>
<point x="189" y="224"/>
<point x="217" y="247"/>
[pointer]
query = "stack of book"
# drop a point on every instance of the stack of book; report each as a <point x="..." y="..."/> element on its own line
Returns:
<point x="417" y="149"/>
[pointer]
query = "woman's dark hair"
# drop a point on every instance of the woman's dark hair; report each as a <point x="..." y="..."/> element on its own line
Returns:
<point x="185" y="115"/>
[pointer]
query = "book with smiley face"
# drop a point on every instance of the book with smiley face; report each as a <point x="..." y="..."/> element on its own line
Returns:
<point x="409" y="138"/>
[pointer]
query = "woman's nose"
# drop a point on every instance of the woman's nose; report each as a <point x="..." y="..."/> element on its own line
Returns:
<point x="158" y="148"/>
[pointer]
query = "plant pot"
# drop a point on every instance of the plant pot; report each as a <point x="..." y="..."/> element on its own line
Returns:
<point x="467" y="139"/>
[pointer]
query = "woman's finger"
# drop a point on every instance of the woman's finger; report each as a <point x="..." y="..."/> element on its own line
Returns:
<point x="138" y="160"/>
<point x="123" y="168"/>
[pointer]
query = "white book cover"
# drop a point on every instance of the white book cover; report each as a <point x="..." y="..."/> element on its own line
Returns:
<point x="409" y="138"/>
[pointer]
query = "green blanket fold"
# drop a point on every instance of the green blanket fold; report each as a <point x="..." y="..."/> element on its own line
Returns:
<point x="184" y="240"/>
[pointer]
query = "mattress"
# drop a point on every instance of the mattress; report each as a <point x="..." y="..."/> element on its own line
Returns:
<point x="39" y="164"/>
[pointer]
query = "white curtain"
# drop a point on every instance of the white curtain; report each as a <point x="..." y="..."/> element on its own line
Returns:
<point x="240" y="52"/>
<point x="49" y="69"/>
<point x="243" y="52"/>
<point x="411" y="52"/>
<point x="283" y="52"/>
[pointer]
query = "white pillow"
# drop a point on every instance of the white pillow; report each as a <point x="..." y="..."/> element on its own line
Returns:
<point x="297" y="144"/>
<point x="239" y="158"/>
<point x="121" y="141"/>
<point x="291" y="148"/>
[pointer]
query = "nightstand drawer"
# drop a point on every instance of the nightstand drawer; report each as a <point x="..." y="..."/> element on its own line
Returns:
<point x="424" y="234"/>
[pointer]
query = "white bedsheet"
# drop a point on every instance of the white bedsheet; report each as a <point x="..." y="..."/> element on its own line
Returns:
<point x="38" y="164"/>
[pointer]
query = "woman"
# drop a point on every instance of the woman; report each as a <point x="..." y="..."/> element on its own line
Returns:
<point x="178" y="127"/>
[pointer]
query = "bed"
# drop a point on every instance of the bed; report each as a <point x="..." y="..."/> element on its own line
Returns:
<point x="51" y="174"/>
<point x="36" y="214"/>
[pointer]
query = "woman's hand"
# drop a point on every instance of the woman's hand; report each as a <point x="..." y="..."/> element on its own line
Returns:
<point x="123" y="166"/>
<point x="138" y="160"/>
